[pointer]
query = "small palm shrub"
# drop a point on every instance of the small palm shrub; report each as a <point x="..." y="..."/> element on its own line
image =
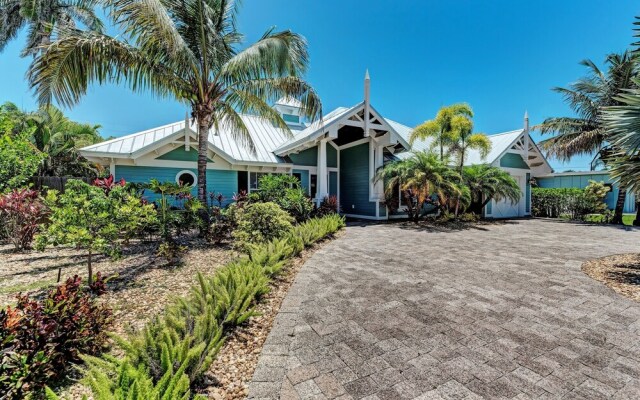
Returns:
<point x="21" y="213"/>
<point x="262" y="222"/>
<point x="40" y="339"/>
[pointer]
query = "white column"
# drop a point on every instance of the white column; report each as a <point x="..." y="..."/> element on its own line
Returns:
<point x="322" y="190"/>
<point x="379" y="162"/>
<point x="372" y="169"/>
<point x="112" y="168"/>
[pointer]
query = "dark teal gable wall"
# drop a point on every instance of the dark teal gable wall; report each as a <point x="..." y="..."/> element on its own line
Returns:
<point x="180" y="154"/>
<point x="218" y="181"/>
<point x="333" y="183"/>
<point x="354" y="181"/>
<point x="309" y="157"/>
<point x="512" y="160"/>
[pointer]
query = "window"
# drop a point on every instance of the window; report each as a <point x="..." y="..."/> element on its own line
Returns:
<point x="295" y="119"/>
<point x="243" y="181"/>
<point x="186" y="178"/>
<point x="254" y="180"/>
<point x="313" y="185"/>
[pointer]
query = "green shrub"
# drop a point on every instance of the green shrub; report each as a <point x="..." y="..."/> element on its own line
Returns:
<point x="285" y="191"/>
<point x="86" y="217"/>
<point x="262" y="222"/>
<point x="573" y="202"/>
<point x="19" y="161"/>
<point x="40" y="338"/>
<point x="469" y="217"/>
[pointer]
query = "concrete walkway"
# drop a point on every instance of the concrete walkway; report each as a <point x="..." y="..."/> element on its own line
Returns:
<point x="391" y="312"/>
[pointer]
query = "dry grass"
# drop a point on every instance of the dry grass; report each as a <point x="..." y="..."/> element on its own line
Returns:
<point x="141" y="285"/>
<point x="620" y="272"/>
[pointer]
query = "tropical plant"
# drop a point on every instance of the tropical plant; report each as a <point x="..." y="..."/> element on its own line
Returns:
<point x="463" y="139"/>
<point x="441" y="129"/>
<point x="44" y="18"/>
<point x="21" y="213"/>
<point x="488" y="183"/>
<point x="588" y="131"/>
<point x="40" y="338"/>
<point x="262" y="222"/>
<point x="421" y="177"/>
<point x="329" y="205"/>
<point x="285" y="191"/>
<point x="85" y="217"/>
<point x="19" y="161"/>
<point x="187" y="50"/>
<point x="169" y="218"/>
<point x="573" y="203"/>
<point x="108" y="183"/>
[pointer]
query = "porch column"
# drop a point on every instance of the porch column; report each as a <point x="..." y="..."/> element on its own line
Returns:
<point x="322" y="176"/>
<point x="379" y="162"/>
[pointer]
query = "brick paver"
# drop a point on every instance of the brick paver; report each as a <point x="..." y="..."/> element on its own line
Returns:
<point x="390" y="312"/>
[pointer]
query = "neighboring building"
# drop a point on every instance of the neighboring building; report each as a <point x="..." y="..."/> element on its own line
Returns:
<point x="336" y="156"/>
<point x="581" y="180"/>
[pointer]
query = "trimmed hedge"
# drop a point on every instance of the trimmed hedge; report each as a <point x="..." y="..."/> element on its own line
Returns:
<point x="175" y="350"/>
<point x="572" y="202"/>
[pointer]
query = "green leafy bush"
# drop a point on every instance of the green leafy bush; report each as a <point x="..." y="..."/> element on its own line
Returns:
<point x="262" y="222"/>
<point x="174" y="351"/>
<point x="19" y="161"/>
<point x="285" y="191"/>
<point x="86" y="217"/>
<point x="41" y="338"/>
<point x="571" y="202"/>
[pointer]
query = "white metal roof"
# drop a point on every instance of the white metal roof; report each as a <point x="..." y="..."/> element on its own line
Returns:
<point x="289" y="102"/>
<point x="499" y="143"/>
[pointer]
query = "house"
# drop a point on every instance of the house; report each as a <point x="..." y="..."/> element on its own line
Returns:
<point x="335" y="156"/>
<point x="580" y="179"/>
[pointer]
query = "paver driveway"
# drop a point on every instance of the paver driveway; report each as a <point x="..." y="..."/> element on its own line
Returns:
<point x="387" y="312"/>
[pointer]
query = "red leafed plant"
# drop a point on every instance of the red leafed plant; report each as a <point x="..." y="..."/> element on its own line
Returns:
<point x="41" y="338"/>
<point x="21" y="212"/>
<point x="108" y="183"/>
<point x="329" y="205"/>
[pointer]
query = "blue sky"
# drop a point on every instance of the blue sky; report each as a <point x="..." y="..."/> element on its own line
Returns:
<point x="500" y="56"/>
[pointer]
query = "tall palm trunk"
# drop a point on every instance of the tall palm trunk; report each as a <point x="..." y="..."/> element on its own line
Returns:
<point x="203" y="133"/>
<point x="617" y="214"/>
<point x="636" y="222"/>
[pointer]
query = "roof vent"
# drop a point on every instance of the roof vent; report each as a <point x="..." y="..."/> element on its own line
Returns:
<point x="290" y="109"/>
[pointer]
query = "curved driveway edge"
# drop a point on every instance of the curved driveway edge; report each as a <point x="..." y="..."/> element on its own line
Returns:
<point x="501" y="311"/>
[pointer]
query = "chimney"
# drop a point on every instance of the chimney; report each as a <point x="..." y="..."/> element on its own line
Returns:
<point x="526" y="137"/>
<point x="367" y="94"/>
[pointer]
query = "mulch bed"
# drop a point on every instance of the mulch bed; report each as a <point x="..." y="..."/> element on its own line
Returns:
<point x="620" y="272"/>
<point x="231" y="372"/>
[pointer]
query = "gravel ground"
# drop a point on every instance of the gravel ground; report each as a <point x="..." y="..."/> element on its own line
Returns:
<point x="620" y="272"/>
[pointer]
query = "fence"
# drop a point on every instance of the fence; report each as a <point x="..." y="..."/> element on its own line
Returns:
<point x="54" y="182"/>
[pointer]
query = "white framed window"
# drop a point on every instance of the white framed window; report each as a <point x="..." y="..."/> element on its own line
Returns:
<point x="186" y="177"/>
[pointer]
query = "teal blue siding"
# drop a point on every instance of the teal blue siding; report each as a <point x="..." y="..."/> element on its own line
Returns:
<point x="527" y="207"/>
<point x="308" y="157"/>
<point x="581" y="182"/>
<point x="180" y="154"/>
<point x="354" y="181"/>
<point x="333" y="183"/>
<point x="512" y="160"/>
<point x="304" y="178"/>
<point x="332" y="156"/>
<point x="218" y="181"/>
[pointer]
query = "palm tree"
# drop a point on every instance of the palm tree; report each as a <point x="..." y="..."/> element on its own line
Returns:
<point x="441" y="128"/>
<point x="587" y="132"/>
<point x="487" y="183"/>
<point x="463" y="139"/>
<point x="420" y="177"/>
<point x="43" y="17"/>
<point x="186" y="50"/>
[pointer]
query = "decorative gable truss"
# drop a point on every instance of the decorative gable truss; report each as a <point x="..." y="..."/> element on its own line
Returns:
<point x="525" y="147"/>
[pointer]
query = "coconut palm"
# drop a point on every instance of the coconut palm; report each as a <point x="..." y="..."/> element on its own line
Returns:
<point x="42" y="17"/>
<point x="421" y="177"/>
<point x="441" y="128"/>
<point x="587" y="132"/>
<point x="187" y="50"/>
<point x="488" y="183"/>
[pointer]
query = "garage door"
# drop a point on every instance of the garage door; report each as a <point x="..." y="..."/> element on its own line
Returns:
<point x="506" y="209"/>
